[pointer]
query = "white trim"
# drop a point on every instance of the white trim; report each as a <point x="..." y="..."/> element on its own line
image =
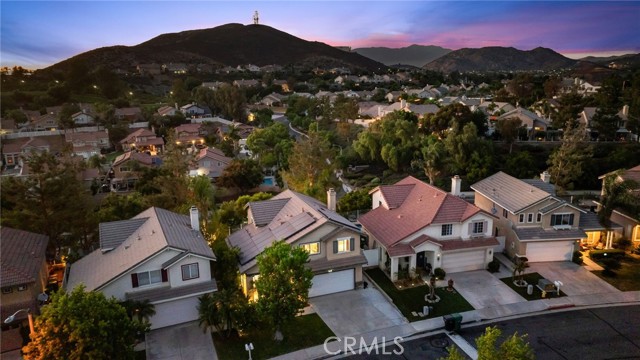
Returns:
<point x="186" y="255"/>
<point x="183" y="297"/>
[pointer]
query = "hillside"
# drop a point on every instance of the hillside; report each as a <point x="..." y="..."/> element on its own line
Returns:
<point x="230" y="44"/>
<point x="416" y="55"/>
<point x="500" y="59"/>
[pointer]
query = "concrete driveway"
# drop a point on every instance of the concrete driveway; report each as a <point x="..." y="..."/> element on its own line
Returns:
<point x="357" y="311"/>
<point x="576" y="279"/>
<point x="482" y="289"/>
<point x="180" y="342"/>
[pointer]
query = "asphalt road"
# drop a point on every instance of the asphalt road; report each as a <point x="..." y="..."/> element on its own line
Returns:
<point x="592" y="334"/>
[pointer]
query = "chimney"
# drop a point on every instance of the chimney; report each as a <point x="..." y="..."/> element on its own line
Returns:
<point x="456" y="182"/>
<point x="177" y="106"/>
<point x="195" y="218"/>
<point x="331" y="199"/>
<point x="545" y="176"/>
<point x="403" y="103"/>
<point x="625" y="110"/>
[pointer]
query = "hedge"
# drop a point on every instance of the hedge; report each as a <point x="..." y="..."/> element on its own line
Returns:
<point x="606" y="253"/>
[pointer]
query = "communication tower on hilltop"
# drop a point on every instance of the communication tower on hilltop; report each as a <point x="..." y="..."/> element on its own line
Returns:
<point x="256" y="19"/>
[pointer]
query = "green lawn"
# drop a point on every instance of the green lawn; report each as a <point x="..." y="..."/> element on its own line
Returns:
<point x="305" y="331"/>
<point x="627" y="278"/>
<point x="412" y="299"/>
<point x="532" y="279"/>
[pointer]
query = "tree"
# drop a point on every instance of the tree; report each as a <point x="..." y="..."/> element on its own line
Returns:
<point x="309" y="172"/>
<point x="272" y="145"/>
<point x="469" y="154"/>
<point x="141" y="311"/>
<point x="618" y="194"/>
<point x="433" y="158"/>
<point x="513" y="348"/>
<point x="568" y="161"/>
<point x="605" y="122"/>
<point x="64" y="117"/>
<point x="83" y="325"/>
<point x="218" y="309"/>
<point x="202" y="194"/>
<point x="283" y="285"/>
<point x="116" y="207"/>
<point x="231" y="101"/>
<point x="17" y="115"/>
<point x="509" y="129"/>
<point x="243" y="174"/>
<point x="358" y="199"/>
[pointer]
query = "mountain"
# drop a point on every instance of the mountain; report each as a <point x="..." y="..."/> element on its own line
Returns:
<point x="500" y="59"/>
<point x="230" y="44"/>
<point x="416" y="55"/>
<point x="616" y="62"/>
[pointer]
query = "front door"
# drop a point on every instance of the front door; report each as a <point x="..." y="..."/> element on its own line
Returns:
<point x="420" y="260"/>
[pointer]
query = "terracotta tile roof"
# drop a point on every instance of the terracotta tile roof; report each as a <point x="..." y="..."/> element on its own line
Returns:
<point x="400" y="250"/>
<point x="632" y="174"/>
<point x="140" y="132"/>
<point x="22" y="256"/>
<point x="417" y="205"/>
<point x="142" y="158"/>
<point x="213" y="153"/>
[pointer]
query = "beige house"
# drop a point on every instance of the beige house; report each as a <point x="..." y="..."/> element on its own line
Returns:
<point x="535" y="222"/>
<point x="417" y="226"/>
<point x="332" y="241"/>
<point x="24" y="278"/>
<point x="143" y="140"/>
<point x="629" y="224"/>
<point x="210" y="162"/>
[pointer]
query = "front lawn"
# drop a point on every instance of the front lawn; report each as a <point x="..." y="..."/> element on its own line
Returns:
<point x="303" y="332"/>
<point x="531" y="279"/>
<point x="412" y="299"/>
<point x="627" y="278"/>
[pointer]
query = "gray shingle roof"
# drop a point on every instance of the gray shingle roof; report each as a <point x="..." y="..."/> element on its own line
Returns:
<point x="538" y="233"/>
<point x="264" y="211"/>
<point x="589" y="222"/>
<point x="162" y="230"/>
<point x="544" y="186"/>
<point x="510" y="193"/>
<point x="325" y="264"/>
<point x="22" y="255"/>
<point x="166" y="292"/>
<point x="114" y="233"/>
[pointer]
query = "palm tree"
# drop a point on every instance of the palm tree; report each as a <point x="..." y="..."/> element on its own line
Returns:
<point x="144" y="310"/>
<point x="518" y="270"/>
<point x="218" y="310"/>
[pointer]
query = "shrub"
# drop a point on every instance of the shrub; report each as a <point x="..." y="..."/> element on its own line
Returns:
<point x="439" y="273"/>
<point x="623" y="243"/>
<point x="577" y="257"/>
<point x="610" y="265"/>
<point x="606" y="253"/>
<point x="494" y="266"/>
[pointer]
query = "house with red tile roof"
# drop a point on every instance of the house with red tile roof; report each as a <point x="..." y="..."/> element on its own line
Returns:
<point x="24" y="277"/>
<point x="125" y="169"/>
<point x="419" y="226"/>
<point x="210" y="162"/>
<point x="143" y="140"/>
<point x="87" y="144"/>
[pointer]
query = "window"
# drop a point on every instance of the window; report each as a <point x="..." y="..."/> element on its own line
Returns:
<point x="343" y="245"/>
<point x="447" y="229"/>
<point x="478" y="227"/>
<point x="505" y="213"/>
<point x="124" y="169"/>
<point x="312" y="248"/>
<point x="521" y="218"/>
<point x="7" y="290"/>
<point x="190" y="271"/>
<point x="22" y="287"/>
<point x="561" y="219"/>
<point x="529" y="217"/>
<point x="539" y="218"/>
<point x="148" y="278"/>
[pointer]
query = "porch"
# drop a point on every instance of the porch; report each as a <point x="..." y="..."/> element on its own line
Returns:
<point x="405" y="262"/>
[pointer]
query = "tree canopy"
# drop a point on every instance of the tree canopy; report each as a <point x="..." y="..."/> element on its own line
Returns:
<point x="83" y="325"/>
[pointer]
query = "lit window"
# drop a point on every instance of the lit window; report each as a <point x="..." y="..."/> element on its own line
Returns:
<point x="447" y="229"/>
<point x="312" y="248"/>
<point x="343" y="245"/>
<point x="190" y="271"/>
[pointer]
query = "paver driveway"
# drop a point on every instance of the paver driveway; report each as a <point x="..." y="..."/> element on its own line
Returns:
<point x="356" y="311"/>
<point x="482" y="289"/>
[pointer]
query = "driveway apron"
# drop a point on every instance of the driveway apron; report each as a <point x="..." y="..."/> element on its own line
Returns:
<point x="481" y="289"/>
<point x="576" y="280"/>
<point x="180" y="342"/>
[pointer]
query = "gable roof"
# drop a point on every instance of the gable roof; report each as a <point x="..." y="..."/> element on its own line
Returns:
<point x="213" y="153"/>
<point x="510" y="193"/>
<point x="142" y="158"/>
<point x="142" y="132"/>
<point x="287" y="216"/>
<point x="157" y="230"/>
<point x="22" y="255"/>
<point x="413" y="205"/>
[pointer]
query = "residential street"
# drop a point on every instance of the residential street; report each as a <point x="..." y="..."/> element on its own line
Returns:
<point x="590" y="334"/>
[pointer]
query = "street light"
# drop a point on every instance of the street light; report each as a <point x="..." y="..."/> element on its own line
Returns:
<point x="13" y="317"/>
<point x="249" y="347"/>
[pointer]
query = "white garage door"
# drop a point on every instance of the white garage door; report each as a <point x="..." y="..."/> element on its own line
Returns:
<point x="175" y="312"/>
<point x="549" y="251"/>
<point x="463" y="261"/>
<point x="332" y="282"/>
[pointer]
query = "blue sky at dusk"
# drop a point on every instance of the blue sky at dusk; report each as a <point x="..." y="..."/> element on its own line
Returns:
<point x="36" y="34"/>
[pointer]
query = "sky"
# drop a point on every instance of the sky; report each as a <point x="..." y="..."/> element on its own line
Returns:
<point x="36" y="34"/>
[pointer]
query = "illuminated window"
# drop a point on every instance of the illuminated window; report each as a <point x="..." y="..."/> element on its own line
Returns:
<point x="343" y="245"/>
<point x="312" y="248"/>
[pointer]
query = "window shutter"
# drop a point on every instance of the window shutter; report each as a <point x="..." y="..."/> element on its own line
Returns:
<point x="335" y="247"/>
<point x="134" y="280"/>
<point x="470" y="228"/>
<point x="352" y="244"/>
<point x="165" y="278"/>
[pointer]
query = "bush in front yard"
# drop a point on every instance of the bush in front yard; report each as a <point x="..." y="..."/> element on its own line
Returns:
<point x="606" y="253"/>
<point x="610" y="265"/>
<point x="577" y="257"/>
<point x="494" y="266"/>
<point x="439" y="273"/>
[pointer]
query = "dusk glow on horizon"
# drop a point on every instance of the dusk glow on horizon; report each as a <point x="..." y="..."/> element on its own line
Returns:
<point x="36" y="34"/>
